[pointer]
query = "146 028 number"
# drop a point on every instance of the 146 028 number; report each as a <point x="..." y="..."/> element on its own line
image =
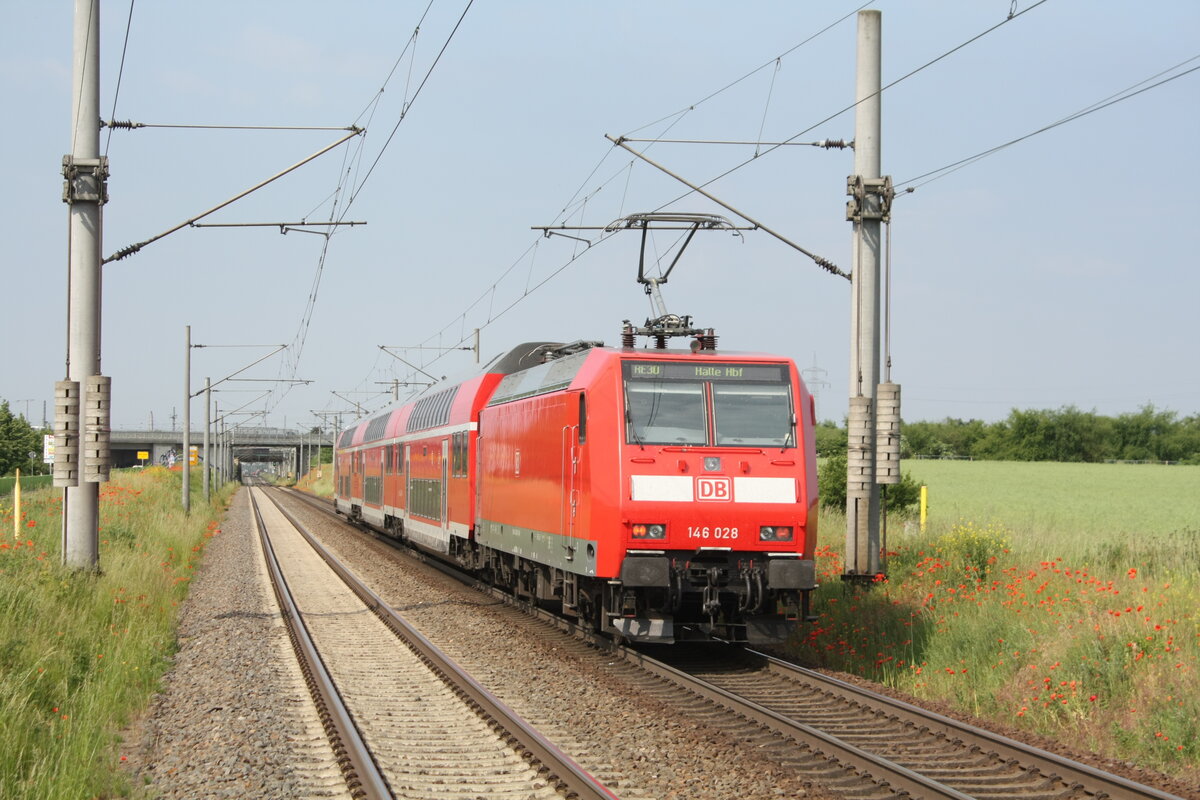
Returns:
<point x="716" y="532"/>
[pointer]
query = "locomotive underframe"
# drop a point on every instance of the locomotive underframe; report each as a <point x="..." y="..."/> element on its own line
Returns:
<point x="663" y="597"/>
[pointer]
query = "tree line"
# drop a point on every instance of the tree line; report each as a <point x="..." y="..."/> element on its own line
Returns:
<point x="1064" y="434"/>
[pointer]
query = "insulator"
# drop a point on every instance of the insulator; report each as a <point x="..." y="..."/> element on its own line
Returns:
<point x="660" y="342"/>
<point x="709" y="339"/>
<point x="627" y="336"/>
<point x="829" y="266"/>
<point x="125" y="252"/>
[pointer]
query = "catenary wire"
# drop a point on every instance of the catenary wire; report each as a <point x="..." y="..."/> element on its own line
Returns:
<point x="120" y="74"/>
<point x="358" y="184"/>
<point x="577" y="205"/>
<point x="408" y="107"/>
<point x="754" y="71"/>
<point x="679" y="114"/>
<point x="1011" y="16"/>
<point x="1125" y="94"/>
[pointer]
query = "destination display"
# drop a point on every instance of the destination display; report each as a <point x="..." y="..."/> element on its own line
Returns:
<point x="707" y="371"/>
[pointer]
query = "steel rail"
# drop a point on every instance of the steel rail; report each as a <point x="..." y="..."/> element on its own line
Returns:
<point x="1064" y="769"/>
<point x="571" y="778"/>
<point x="894" y="775"/>
<point x="361" y="773"/>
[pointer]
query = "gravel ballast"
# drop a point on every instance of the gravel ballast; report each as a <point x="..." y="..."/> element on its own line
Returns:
<point x="233" y="719"/>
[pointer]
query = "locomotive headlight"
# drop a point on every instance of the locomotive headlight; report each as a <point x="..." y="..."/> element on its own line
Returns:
<point x="652" y="531"/>
<point x="775" y="533"/>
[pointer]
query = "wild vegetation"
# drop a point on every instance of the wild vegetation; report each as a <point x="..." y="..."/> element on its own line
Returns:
<point x="1059" y="598"/>
<point x="80" y="652"/>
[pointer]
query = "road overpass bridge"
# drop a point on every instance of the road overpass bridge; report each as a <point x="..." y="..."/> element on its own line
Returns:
<point x="246" y="445"/>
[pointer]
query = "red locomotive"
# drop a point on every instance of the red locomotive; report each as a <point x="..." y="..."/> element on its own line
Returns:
<point x="657" y="494"/>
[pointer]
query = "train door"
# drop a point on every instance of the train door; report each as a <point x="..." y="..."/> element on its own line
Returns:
<point x="573" y="437"/>
<point x="445" y="517"/>
<point x="408" y="487"/>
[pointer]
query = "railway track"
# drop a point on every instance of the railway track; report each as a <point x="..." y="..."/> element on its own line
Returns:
<point x="403" y="719"/>
<point x="909" y="748"/>
<point x="857" y="743"/>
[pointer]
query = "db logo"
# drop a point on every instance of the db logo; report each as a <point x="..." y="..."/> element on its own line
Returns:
<point x="714" y="489"/>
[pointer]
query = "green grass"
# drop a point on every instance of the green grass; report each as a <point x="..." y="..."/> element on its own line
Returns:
<point x="81" y="652"/>
<point x="1061" y="598"/>
<point x="318" y="481"/>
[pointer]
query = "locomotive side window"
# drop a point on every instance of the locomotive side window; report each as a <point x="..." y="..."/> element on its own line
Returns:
<point x="753" y="414"/>
<point x="582" y="418"/>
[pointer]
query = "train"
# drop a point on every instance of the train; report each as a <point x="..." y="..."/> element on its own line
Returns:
<point x="655" y="494"/>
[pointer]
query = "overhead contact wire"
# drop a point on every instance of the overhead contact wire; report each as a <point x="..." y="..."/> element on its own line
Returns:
<point x="1102" y="104"/>
<point x="120" y="74"/>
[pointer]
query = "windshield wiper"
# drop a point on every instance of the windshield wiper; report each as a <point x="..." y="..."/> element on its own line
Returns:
<point x="633" y="429"/>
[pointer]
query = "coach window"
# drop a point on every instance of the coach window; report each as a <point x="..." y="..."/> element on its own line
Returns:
<point x="455" y="454"/>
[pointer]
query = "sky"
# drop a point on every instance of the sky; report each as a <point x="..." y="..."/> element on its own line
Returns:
<point x="1059" y="271"/>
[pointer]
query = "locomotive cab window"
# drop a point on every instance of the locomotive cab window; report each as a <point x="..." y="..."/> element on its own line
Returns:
<point x="708" y="404"/>
<point x="753" y="414"/>
<point x="665" y="413"/>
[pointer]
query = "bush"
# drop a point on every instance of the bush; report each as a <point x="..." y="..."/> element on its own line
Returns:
<point x="831" y="481"/>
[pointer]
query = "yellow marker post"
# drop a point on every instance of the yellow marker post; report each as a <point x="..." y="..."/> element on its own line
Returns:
<point x="17" y="507"/>
<point x="924" y="505"/>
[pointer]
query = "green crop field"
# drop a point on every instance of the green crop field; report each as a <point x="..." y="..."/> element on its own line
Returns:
<point x="1061" y="598"/>
<point x="1046" y="501"/>
<point x="28" y="483"/>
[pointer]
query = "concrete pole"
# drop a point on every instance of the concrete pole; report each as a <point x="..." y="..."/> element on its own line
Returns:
<point x="85" y="172"/>
<point x="187" y="420"/>
<point x="207" y="425"/>
<point x="216" y="456"/>
<point x="220" y="445"/>
<point x="862" y="492"/>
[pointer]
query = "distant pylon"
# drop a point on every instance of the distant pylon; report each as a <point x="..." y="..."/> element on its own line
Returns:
<point x="814" y="378"/>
